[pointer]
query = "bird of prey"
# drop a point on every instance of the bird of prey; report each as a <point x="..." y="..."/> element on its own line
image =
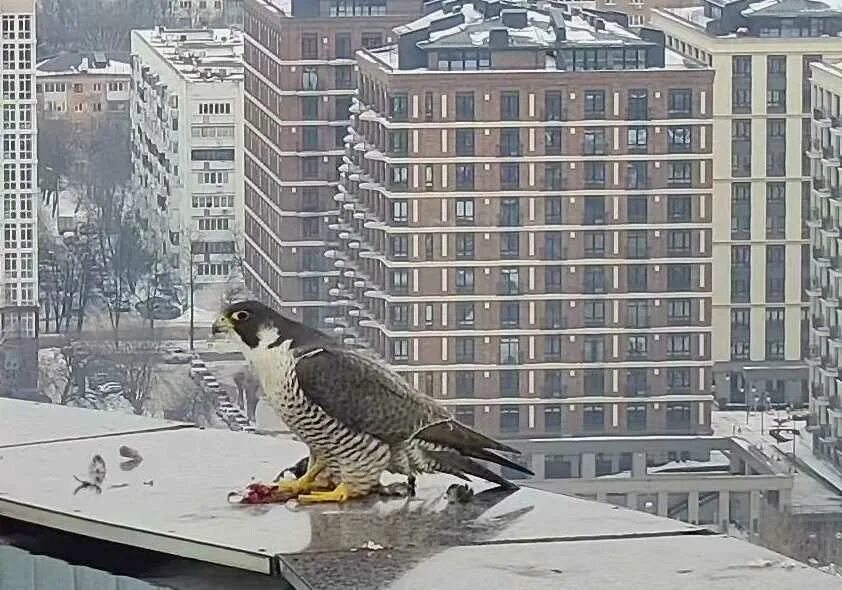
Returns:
<point x="358" y="417"/>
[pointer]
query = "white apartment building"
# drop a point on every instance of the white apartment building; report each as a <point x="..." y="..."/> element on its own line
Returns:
<point x="187" y="112"/>
<point x="761" y="53"/>
<point x="197" y="13"/>
<point x="825" y="354"/>
<point x="19" y="308"/>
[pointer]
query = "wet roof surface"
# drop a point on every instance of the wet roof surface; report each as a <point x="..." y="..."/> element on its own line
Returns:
<point x="174" y="502"/>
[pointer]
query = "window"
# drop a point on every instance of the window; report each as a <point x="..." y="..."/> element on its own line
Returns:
<point x="509" y="314"/>
<point x="636" y="244"/>
<point x="679" y="277"/>
<point x="552" y="279"/>
<point x="310" y="227"/>
<point x="509" y="106"/>
<point x="594" y="104"/>
<point x="399" y="142"/>
<point x="678" y="345"/>
<point x="552" y="348"/>
<point x="212" y="155"/>
<point x="509" y="212"/>
<point x="552" y="140"/>
<point x="398" y="176"/>
<point x="552" y="106"/>
<point x="400" y="349"/>
<point x="552" y="245"/>
<point x="509" y="418"/>
<point x="741" y="66"/>
<point x="637" y="346"/>
<point x="552" y="210"/>
<point x="463" y="383"/>
<point x="464" y="280"/>
<point x="679" y="208"/>
<point x="464" y="415"/>
<point x="552" y="418"/>
<point x="678" y="379"/>
<point x="464" y="245"/>
<point x="343" y="46"/>
<point x="213" y="177"/>
<point x="343" y="77"/>
<point x="775" y="210"/>
<point x="400" y="281"/>
<point x="637" y="278"/>
<point x="679" y="139"/>
<point x="463" y="349"/>
<point x="594" y="174"/>
<point x="593" y="418"/>
<point x="398" y="107"/>
<point x="594" y="349"/>
<point x="594" y="141"/>
<point x="638" y="106"/>
<point x="400" y="246"/>
<point x="510" y="142"/>
<point x="594" y="382"/>
<point x="464" y="59"/>
<point x="680" y="103"/>
<point x="465" y="107"/>
<point x="680" y="173"/>
<point x="678" y="416"/>
<point x="594" y="279"/>
<point x="310" y="167"/>
<point x="776" y="101"/>
<point x="213" y="223"/>
<point x="464" y="314"/>
<point x="594" y="313"/>
<point x="214" y="108"/>
<point x="636" y="139"/>
<point x="679" y="242"/>
<point x="636" y="210"/>
<point x="464" y="176"/>
<point x="594" y="244"/>
<point x="637" y="175"/>
<point x="464" y="211"/>
<point x="740" y="210"/>
<point x="371" y="40"/>
<point x="636" y="417"/>
<point x="509" y="176"/>
<point x="678" y="311"/>
<point x="509" y="281"/>
<point x="310" y="107"/>
<point x="399" y="212"/>
<point x="309" y="46"/>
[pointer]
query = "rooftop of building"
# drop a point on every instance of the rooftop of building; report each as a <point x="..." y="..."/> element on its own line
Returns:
<point x="199" y="55"/>
<point x="166" y="520"/>
<point x="92" y="63"/>
<point x="763" y="18"/>
<point x="545" y="26"/>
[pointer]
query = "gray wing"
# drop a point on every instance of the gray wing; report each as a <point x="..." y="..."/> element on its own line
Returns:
<point x="365" y="395"/>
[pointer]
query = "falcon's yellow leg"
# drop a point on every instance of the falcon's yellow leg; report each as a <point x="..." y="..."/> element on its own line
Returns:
<point x="306" y="482"/>
<point x="342" y="493"/>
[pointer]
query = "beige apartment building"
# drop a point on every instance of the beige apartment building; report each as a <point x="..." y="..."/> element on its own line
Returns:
<point x="84" y="88"/>
<point x="300" y="77"/>
<point x="762" y="113"/>
<point x="525" y="221"/>
<point x="640" y="11"/>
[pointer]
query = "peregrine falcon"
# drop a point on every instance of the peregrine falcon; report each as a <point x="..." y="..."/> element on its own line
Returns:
<point x="358" y="417"/>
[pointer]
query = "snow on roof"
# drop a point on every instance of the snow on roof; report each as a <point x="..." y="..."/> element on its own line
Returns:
<point x="195" y="51"/>
<point x="94" y="64"/>
<point x="693" y="14"/>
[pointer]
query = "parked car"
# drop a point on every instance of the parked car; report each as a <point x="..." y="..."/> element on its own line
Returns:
<point x="251" y="429"/>
<point x="212" y="386"/>
<point x="110" y="387"/>
<point x="241" y="419"/>
<point x="223" y="398"/>
<point x="159" y="308"/>
<point x="226" y="413"/>
<point x="198" y="369"/>
<point x="177" y="358"/>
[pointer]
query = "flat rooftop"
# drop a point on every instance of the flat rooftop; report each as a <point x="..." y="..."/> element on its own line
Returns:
<point x="198" y="55"/>
<point x="174" y="504"/>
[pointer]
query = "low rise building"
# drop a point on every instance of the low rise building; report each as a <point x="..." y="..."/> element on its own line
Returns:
<point x="84" y="88"/>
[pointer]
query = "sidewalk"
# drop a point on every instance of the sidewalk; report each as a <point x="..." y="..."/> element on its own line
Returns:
<point x="733" y="423"/>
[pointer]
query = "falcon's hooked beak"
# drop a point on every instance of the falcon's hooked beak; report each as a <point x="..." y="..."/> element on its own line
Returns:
<point x="222" y="325"/>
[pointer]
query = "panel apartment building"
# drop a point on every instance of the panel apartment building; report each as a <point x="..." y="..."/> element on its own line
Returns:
<point x="187" y="108"/>
<point x="761" y="53"/>
<point x="525" y="221"/>
<point x="825" y="354"/>
<point x="19" y="306"/>
<point x="300" y="79"/>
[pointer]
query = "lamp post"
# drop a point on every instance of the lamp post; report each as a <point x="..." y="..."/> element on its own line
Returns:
<point x="192" y="288"/>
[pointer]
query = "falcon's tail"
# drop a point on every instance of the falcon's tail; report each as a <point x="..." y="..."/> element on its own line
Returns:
<point x="466" y="444"/>
<point x="459" y="465"/>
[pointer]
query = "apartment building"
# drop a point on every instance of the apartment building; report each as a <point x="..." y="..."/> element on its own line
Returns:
<point x="202" y="13"/>
<point x="761" y="53"/>
<point x="525" y="221"/>
<point x="84" y="88"/>
<point x="825" y="219"/>
<point x="187" y="108"/>
<point x="19" y="304"/>
<point x="300" y="79"/>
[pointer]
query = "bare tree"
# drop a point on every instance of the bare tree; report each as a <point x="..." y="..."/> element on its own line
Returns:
<point x="136" y="366"/>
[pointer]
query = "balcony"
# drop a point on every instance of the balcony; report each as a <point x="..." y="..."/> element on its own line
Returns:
<point x="512" y="358"/>
<point x="822" y="119"/>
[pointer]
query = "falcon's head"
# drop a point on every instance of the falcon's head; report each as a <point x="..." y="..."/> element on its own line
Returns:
<point x="257" y="325"/>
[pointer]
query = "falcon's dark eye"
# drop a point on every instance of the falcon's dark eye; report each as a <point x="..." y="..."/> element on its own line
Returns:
<point x="240" y="316"/>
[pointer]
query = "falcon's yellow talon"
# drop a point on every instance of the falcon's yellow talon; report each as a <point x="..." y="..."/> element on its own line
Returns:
<point x="340" y="494"/>
<point x="305" y="483"/>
